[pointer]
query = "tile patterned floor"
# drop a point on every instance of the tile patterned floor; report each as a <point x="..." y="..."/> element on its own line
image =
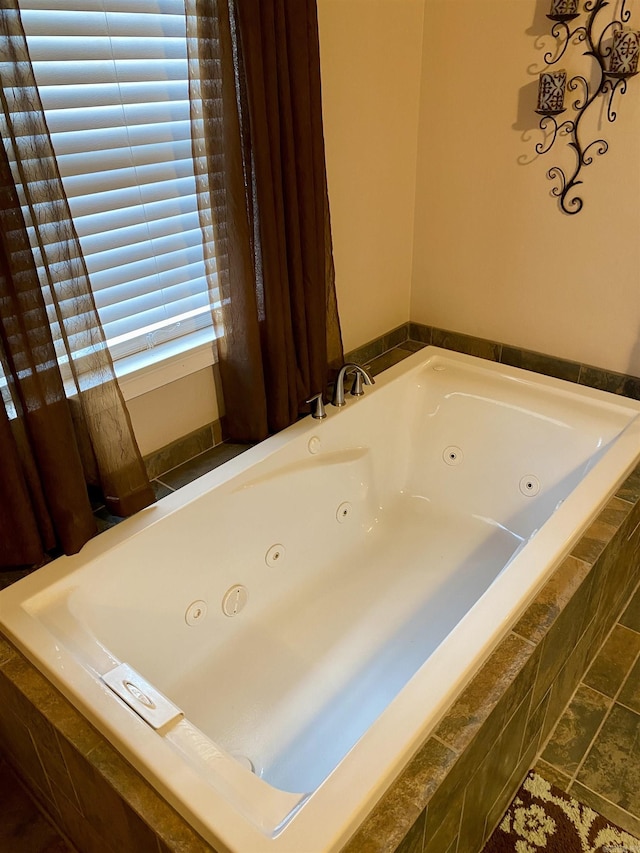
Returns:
<point x="594" y="751"/>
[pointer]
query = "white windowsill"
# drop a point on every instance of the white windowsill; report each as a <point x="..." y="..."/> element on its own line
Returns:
<point x="142" y="372"/>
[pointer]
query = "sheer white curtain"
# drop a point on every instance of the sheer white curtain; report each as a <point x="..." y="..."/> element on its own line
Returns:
<point x="52" y="446"/>
<point x="114" y="87"/>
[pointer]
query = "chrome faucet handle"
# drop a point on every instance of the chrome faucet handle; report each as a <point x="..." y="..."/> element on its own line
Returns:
<point x="317" y="406"/>
<point x="361" y="375"/>
<point x="356" y="389"/>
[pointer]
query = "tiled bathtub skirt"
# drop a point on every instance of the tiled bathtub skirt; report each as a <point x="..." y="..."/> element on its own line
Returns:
<point x="593" y="751"/>
<point x="447" y="800"/>
<point x="450" y="797"/>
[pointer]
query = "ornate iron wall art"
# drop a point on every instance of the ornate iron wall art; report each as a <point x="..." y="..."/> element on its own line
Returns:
<point x="613" y="64"/>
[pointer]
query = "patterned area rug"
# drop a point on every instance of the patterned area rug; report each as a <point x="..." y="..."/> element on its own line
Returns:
<point x="543" y="818"/>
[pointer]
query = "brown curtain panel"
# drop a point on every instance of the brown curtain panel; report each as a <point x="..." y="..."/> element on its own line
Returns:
<point x="260" y="167"/>
<point x="43" y="497"/>
<point x="50" y="446"/>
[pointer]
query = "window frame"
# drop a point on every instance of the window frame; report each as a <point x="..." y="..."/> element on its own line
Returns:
<point x="147" y="369"/>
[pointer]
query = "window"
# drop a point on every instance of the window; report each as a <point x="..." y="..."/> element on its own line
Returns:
<point x="114" y="87"/>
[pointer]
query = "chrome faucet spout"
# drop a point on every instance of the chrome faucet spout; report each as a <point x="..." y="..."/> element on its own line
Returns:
<point x="362" y="376"/>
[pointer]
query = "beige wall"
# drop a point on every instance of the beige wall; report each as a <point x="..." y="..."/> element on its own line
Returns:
<point x="371" y="59"/>
<point x="441" y="210"/>
<point x="493" y="256"/>
<point x="172" y="411"/>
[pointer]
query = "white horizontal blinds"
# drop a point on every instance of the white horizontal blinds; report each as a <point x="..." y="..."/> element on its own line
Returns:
<point x="113" y="81"/>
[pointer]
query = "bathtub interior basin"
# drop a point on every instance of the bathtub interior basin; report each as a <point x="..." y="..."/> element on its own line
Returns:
<point x="272" y="643"/>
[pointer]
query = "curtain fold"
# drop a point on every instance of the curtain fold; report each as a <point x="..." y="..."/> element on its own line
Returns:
<point x="260" y="168"/>
<point x="43" y="497"/>
<point x="48" y="314"/>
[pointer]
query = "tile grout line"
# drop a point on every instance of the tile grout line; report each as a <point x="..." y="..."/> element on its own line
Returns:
<point x="166" y="485"/>
<point x="633" y="711"/>
<point x="187" y="462"/>
<point x="459" y="829"/>
<point x="609" y="802"/>
<point x="574" y="776"/>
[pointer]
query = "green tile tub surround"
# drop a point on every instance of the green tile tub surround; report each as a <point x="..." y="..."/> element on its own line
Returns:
<point x="479" y="347"/>
<point x="631" y="616"/>
<point x="576" y="729"/>
<point x="376" y="347"/>
<point x="603" y="770"/>
<point x="417" y="335"/>
<point x="612" y="664"/>
<point x="201" y="464"/>
<point x="605" y="807"/>
<point x="630" y="693"/>
<point x="183" y="449"/>
<point x="612" y="766"/>
<point x="449" y="796"/>
<point x="592" y="753"/>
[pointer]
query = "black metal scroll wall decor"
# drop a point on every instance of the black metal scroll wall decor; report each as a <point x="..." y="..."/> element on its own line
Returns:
<point x="614" y="49"/>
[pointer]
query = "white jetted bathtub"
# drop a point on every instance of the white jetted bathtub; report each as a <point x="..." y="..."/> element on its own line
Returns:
<point x="272" y="643"/>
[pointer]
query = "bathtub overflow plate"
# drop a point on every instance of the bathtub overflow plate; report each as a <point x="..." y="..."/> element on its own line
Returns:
<point x="146" y="700"/>
<point x="234" y="599"/>
<point x="195" y="612"/>
<point x="529" y="485"/>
